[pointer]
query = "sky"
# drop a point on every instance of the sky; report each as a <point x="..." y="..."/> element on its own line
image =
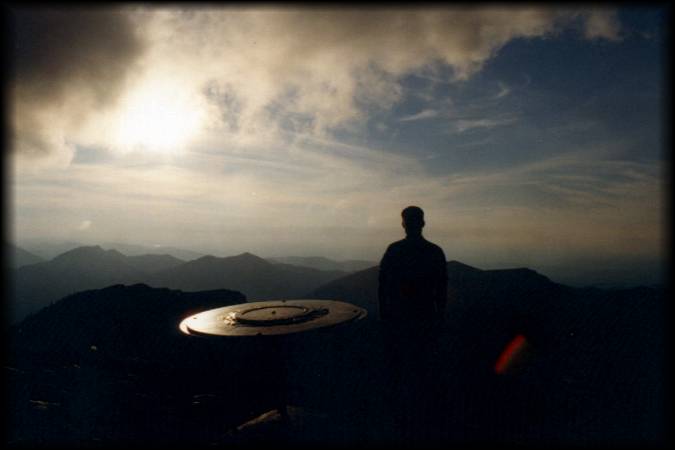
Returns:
<point x="532" y="136"/>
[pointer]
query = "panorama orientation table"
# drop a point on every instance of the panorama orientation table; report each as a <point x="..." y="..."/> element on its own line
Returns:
<point x="274" y="319"/>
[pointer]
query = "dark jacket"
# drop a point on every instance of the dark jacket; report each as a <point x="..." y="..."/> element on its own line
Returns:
<point x="413" y="281"/>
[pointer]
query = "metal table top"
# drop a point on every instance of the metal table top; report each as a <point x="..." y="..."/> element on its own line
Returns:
<point x="271" y="318"/>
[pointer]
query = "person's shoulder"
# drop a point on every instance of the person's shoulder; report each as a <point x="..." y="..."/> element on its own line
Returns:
<point x="396" y="245"/>
<point x="435" y="248"/>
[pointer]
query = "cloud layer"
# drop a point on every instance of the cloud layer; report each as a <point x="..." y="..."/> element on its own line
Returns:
<point x="250" y="74"/>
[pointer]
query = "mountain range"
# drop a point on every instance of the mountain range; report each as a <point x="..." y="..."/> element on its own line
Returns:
<point x="466" y="284"/>
<point x="254" y="276"/>
<point x="17" y="256"/>
<point x="321" y="263"/>
<point x="37" y="285"/>
<point x="50" y="249"/>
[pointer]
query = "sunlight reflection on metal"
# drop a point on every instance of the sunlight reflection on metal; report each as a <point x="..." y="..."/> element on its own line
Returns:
<point x="271" y="318"/>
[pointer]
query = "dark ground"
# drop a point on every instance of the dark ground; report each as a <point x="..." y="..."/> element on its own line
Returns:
<point x="83" y="374"/>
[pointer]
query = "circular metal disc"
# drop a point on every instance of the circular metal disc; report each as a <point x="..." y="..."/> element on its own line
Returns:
<point x="271" y="318"/>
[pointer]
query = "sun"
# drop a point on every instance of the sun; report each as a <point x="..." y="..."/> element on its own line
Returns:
<point x="157" y="116"/>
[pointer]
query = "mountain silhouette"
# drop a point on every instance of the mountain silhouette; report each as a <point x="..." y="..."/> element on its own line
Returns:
<point x="36" y="286"/>
<point x="82" y="257"/>
<point x="465" y="284"/>
<point x="153" y="263"/>
<point x="359" y="288"/>
<point x="51" y="249"/>
<point x="138" y="250"/>
<point x="124" y="322"/>
<point x="18" y="257"/>
<point x="321" y="263"/>
<point x="48" y="249"/>
<point x="111" y="365"/>
<point x="257" y="278"/>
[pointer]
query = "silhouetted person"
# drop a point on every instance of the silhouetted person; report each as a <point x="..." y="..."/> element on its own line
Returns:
<point x="413" y="278"/>
<point x="412" y="295"/>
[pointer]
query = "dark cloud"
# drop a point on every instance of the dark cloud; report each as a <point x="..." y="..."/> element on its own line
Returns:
<point x="57" y="49"/>
<point x="65" y="53"/>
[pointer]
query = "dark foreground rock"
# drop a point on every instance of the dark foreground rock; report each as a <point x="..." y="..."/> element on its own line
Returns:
<point x="109" y="368"/>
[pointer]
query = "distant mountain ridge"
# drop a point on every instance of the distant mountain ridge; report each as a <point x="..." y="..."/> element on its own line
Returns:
<point x="50" y="250"/>
<point x="18" y="257"/>
<point x="247" y="273"/>
<point x="90" y="267"/>
<point x="140" y="250"/>
<point x="35" y="286"/>
<point x="321" y="263"/>
<point x="154" y="263"/>
<point x="465" y="283"/>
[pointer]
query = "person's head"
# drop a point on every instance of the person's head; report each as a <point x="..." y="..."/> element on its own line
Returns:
<point x="413" y="220"/>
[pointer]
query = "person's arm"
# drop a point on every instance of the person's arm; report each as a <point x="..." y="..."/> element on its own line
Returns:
<point x="384" y="287"/>
<point x="441" y="290"/>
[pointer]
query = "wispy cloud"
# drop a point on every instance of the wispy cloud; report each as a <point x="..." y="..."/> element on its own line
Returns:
<point x="462" y="125"/>
<point x="424" y="114"/>
<point x="504" y="90"/>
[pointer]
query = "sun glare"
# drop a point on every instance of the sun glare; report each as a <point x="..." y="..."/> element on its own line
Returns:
<point x="158" y="117"/>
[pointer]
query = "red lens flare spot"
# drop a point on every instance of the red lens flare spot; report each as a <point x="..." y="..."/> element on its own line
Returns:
<point x="511" y="349"/>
